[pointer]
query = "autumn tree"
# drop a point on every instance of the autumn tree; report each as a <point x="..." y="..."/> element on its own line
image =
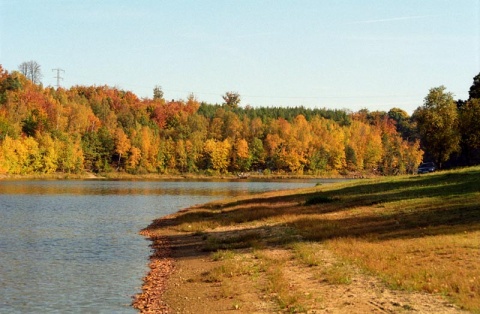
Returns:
<point x="403" y="123"/>
<point x="169" y="153"/>
<point x="9" y="158"/>
<point x="217" y="154"/>
<point x="231" y="99"/>
<point x="97" y="127"/>
<point x="232" y="126"/>
<point x="216" y="127"/>
<point x="198" y="131"/>
<point x="356" y="142"/>
<point x="79" y="118"/>
<point x="122" y="144"/>
<point x="437" y="122"/>
<point x="192" y="104"/>
<point x="328" y="144"/>
<point x="71" y="158"/>
<point x="181" y="156"/>
<point x="242" y="156"/>
<point x="49" y="153"/>
<point x="272" y="145"/>
<point x="32" y="70"/>
<point x="149" y="145"/>
<point x="256" y="128"/>
<point x="20" y="156"/>
<point x="374" y="152"/>
<point x="412" y="156"/>
<point x="133" y="159"/>
<point x="297" y="144"/>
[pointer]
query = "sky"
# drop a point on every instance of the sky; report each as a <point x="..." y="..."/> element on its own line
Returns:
<point x="344" y="54"/>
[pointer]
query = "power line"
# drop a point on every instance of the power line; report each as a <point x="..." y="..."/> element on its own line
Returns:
<point x="58" y="77"/>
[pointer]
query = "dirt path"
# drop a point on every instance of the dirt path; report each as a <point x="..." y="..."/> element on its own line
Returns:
<point x="184" y="278"/>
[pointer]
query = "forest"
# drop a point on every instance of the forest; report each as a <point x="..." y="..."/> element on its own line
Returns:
<point x="104" y="129"/>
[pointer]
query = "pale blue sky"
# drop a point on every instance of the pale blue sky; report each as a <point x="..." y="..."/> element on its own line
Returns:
<point x="336" y="54"/>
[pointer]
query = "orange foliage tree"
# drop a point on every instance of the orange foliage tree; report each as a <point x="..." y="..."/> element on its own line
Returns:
<point x="101" y="128"/>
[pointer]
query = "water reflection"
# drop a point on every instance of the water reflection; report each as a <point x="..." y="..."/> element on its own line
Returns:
<point x="212" y="188"/>
<point x="73" y="246"/>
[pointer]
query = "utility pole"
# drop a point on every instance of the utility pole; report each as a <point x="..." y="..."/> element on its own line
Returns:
<point x="58" y="77"/>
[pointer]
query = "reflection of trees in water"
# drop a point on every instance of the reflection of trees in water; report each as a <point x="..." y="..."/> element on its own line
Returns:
<point x="194" y="188"/>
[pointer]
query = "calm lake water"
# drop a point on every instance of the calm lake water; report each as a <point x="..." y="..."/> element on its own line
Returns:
<point x="73" y="246"/>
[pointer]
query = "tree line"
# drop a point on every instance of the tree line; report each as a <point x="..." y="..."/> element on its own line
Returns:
<point x="104" y="129"/>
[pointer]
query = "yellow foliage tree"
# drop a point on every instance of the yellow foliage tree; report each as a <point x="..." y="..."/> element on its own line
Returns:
<point x="329" y="144"/>
<point x="70" y="156"/>
<point x="242" y="155"/>
<point x="10" y="161"/>
<point x="217" y="153"/>
<point x="48" y="153"/>
<point x="134" y="158"/>
<point x="122" y="144"/>
<point x="412" y="156"/>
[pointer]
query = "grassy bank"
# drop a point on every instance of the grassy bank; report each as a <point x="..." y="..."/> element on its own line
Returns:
<point x="415" y="233"/>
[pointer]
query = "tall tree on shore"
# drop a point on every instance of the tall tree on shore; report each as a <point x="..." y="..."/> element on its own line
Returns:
<point x="437" y="123"/>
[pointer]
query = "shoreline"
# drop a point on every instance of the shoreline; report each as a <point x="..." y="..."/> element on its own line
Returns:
<point x="159" y="177"/>
<point x="291" y="251"/>
<point x="161" y="265"/>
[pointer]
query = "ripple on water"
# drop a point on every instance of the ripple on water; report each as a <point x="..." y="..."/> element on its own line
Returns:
<point x="74" y="245"/>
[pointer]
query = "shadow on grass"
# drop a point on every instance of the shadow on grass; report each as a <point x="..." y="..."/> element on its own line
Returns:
<point x="441" y="221"/>
<point x="446" y="186"/>
<point x="442" y="203"/>
<point x="439" y="184"/>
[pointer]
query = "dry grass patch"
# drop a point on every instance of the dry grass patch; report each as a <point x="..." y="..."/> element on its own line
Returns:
<point x="233" y="265"/>
<point x="277" y="284"/>
<point x="339" y="273"/>
<point x="306" y="253"/>
<point x="443" y="264"/>
<point x="333" y="272"/>
<point x="234" y="274"/>
<point x="265" y="268"/>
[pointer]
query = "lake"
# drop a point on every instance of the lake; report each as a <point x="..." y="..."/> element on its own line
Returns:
<point x="73" y="246"/>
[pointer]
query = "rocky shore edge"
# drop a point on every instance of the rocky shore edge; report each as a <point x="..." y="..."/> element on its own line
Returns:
<point x="161" y="265"/>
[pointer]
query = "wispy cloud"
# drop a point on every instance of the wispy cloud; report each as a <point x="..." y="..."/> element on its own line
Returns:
<point x="394" y="19"/>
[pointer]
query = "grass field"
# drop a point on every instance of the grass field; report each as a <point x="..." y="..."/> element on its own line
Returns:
<point x="415" y="233"/>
